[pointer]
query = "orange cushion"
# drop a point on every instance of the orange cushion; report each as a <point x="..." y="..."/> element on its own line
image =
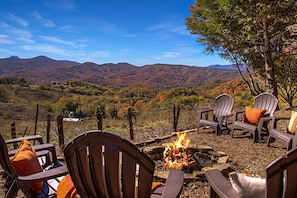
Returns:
<point x="253" y="115"/>
<point x="26" y="162"/>
<point x="156" y="185"/>
<point x="66" y="188"/>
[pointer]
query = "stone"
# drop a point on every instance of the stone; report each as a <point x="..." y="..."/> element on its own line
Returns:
<point x="204" y="148"/>
<point x="161" y="174"/>
<point x="216" y="153"/>
<point x="221" y="167"/>
<point x="155" y="152"/>
<point x="223" y="159"/>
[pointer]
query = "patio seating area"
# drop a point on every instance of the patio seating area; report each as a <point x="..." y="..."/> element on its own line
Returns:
<point x="278" y="146"/>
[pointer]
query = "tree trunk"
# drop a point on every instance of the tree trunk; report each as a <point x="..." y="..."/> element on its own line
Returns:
<point x="269" y="64"/>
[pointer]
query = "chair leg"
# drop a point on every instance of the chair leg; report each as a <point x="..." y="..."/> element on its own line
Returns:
<point x="198" y="127"/>
<point x="256" y="136"/>
<point x="13" y="188"/>
<point x="289" y="145"/>
<point x="232" y="131"/>
<point x="268" y="140"/>
<point x="218" y="131"/>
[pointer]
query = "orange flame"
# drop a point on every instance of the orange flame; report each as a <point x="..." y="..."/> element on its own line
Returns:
<point x="175" y="155"/>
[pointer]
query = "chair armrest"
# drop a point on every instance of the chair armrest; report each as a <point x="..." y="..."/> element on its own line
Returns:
<point x="261" y="122"/>
<point x="220" y="185"/>
<point x="276" y="119"/>
<point x="29" y="138"/>
<point x="46" y="175"/>
<point x="236" y="114"/>
<point x="204" y="111"/>
<point x="174" y="183"/>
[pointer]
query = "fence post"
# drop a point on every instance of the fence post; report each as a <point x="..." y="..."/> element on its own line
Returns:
<point x="175" y="117"/>
<point x="48" y="128"/>
<point x="36" y="119"/>
<point x="60" y="131"/>
<point x="130" y="115"/>
<point x="13" y="134"/>
<point x="99" y="120"/>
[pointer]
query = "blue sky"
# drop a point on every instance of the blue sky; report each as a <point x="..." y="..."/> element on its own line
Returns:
<point x="139" y="32"/>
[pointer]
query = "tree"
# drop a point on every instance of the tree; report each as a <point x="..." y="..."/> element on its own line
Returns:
<point x="3" y="95"/>
<point x="246" y="32"/>
<point x="64" y="105"/>
<point x="287" y="78"/>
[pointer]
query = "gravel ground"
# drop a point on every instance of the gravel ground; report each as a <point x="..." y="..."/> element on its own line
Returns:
<point x="245" y="156"/>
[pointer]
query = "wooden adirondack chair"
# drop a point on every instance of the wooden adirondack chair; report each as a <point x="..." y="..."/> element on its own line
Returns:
<point x="221" y="111"/>
<point x="265" y="101"/>
<point x="280" y="179"/>
<point x="48" y="177"/>
<point x="290" y="140"/>
<point x="102" y="164"/>
<point x="40" y="147"/>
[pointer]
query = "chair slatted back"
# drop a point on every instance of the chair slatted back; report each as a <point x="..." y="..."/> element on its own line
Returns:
<point x="266" y="101"/>
<point x="4" y="159"/>
<point x="102" y="164"/>
<point x="281" y="176"/>
<point x="223" y="105"/>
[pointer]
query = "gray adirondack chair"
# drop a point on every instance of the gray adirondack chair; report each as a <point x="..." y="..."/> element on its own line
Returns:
<point x="265" y="101"/>
<point x="221" y="110"/>
<point x="102" y="164"/>
<point x="280" y="179"/>
<point x="48" y="177"/>
<point x="290" y="140"/>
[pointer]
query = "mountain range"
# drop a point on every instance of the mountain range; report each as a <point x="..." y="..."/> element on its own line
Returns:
<point x="44" y="70"/>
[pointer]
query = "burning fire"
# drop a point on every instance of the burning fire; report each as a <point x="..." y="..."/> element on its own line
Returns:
<point x="175" y="155"/>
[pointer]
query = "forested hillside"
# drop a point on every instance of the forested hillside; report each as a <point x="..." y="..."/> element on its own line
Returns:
<point x="18" y="100"/>
<point x="43" y="70"/>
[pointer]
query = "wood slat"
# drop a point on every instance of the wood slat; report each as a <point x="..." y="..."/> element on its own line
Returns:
<point x="103" y="164"/>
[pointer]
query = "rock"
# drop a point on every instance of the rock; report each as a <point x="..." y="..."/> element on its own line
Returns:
<point x="155" y="152"/>
<point x="221" y="167"/>
<point x="161" y="174"/>
<point x="204" y="148"/>
<point x="190" y="177"/>
<point x="216" y="153"/>
<point x="223" y="159"/>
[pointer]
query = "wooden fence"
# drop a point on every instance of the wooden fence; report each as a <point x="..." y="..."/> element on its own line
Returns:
<point x="130" y="116"/>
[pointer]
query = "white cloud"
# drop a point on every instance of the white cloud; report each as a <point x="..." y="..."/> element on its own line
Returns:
<point x="15" y="34"/>
<point x="57" y="40"/>
<point x="46" y="49"/>
<point x="46" y="22"/>
<point x="4" y="25"/>
<point x="4" y="39"/>
<point x="22" y="35"/>
<point x="6" y="51"/>
<point x="61" y="4"/>
<point x="18" y="20"/>
<point x="167" y="28"/>
<point x="67" y="27"/>
<point x="129" y="35"/>
<point x="170" y="54"/>
<point x="100" y="54"/>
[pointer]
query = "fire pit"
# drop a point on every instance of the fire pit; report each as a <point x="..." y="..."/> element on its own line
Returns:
<point x="193" y="159"/>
